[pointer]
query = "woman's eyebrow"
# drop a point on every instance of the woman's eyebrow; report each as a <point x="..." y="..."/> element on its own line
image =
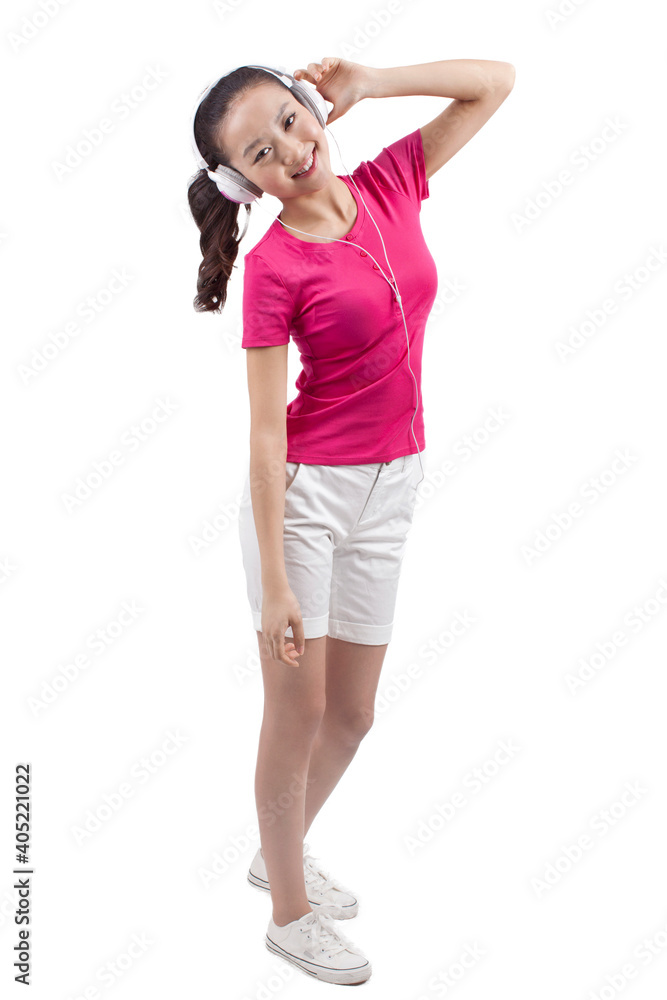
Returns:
<point x="275" y="122"/>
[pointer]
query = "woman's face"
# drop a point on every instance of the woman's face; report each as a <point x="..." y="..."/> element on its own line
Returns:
<point x="269" y="135"/>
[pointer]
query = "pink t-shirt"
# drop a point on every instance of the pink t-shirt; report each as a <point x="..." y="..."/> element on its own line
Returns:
<point x="356" y="395"/>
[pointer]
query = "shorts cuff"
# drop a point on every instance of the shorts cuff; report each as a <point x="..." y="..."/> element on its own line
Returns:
<point x="313" y="628"/>
<point x="368" y="635"/>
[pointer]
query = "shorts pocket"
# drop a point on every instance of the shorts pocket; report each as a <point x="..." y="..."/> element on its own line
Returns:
<point x="291" y="472"/>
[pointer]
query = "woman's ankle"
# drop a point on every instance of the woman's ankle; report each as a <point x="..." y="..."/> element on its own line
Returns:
<point x="282" y="917"/>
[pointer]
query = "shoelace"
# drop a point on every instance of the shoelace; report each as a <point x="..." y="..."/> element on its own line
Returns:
<point x="324" y="934"/>
<point x="317" y="876"/>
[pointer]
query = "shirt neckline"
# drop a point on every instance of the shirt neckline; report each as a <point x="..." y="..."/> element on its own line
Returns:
<point x="351" y="236"/>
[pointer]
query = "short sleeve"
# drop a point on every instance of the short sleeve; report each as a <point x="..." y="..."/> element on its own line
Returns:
<point x="401" y="167"/>
<point x="267" y="305"/>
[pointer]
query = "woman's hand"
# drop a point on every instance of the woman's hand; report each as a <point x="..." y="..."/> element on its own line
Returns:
<point x="339" y="81"/>
<point x="280" y="608"/>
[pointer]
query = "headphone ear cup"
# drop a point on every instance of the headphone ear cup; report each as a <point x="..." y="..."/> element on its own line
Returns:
<point x="312" y="100"/>
<point x="234" y="185"/>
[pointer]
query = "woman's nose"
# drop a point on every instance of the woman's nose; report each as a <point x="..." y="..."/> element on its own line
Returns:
<point x="293" y="157"/>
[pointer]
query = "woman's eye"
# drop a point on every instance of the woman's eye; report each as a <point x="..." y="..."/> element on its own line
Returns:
<point x="258" y="157"/>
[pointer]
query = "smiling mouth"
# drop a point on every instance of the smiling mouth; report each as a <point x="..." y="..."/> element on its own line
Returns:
<point x="307" y="166"/>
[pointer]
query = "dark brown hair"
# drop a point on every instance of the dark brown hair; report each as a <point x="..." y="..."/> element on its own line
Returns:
<point x="216" y="216"/>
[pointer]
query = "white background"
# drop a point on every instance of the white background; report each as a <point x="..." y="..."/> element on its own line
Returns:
<point x="187" y="663"/>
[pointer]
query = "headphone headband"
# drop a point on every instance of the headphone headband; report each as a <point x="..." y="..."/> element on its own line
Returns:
<point x="230" y="182"/>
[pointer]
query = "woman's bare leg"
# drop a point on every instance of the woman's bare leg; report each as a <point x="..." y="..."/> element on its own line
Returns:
<point x="352" y="675"/>
<point x="294" y="702"/>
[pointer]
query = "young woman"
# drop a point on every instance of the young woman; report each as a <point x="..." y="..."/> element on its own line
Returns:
<point x="331" y="487"/>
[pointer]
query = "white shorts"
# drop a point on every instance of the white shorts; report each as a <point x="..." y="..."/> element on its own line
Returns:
<point x="344" y="537"/>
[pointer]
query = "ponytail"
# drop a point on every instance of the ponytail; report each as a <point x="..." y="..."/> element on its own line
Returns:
<point x="218" y="220"/>
<point x="215" y="215"/>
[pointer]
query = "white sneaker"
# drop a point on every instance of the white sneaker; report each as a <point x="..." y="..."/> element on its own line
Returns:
<point x="324" y="892"/>
<point x="313" y="944"/>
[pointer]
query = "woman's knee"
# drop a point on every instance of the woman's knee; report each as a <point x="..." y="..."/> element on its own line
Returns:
<point x="351" y="723"/>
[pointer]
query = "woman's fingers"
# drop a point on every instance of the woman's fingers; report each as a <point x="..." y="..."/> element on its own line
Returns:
<point x="313" y="74"/>
<point x="285" y="656"/>
<point x="291" y="651"/>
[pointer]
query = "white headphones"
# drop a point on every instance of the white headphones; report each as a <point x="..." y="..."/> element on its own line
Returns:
<point x="235" y="187"/>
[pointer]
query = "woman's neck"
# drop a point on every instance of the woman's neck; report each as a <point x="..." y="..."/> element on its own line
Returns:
<point x="331" y="208"/>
